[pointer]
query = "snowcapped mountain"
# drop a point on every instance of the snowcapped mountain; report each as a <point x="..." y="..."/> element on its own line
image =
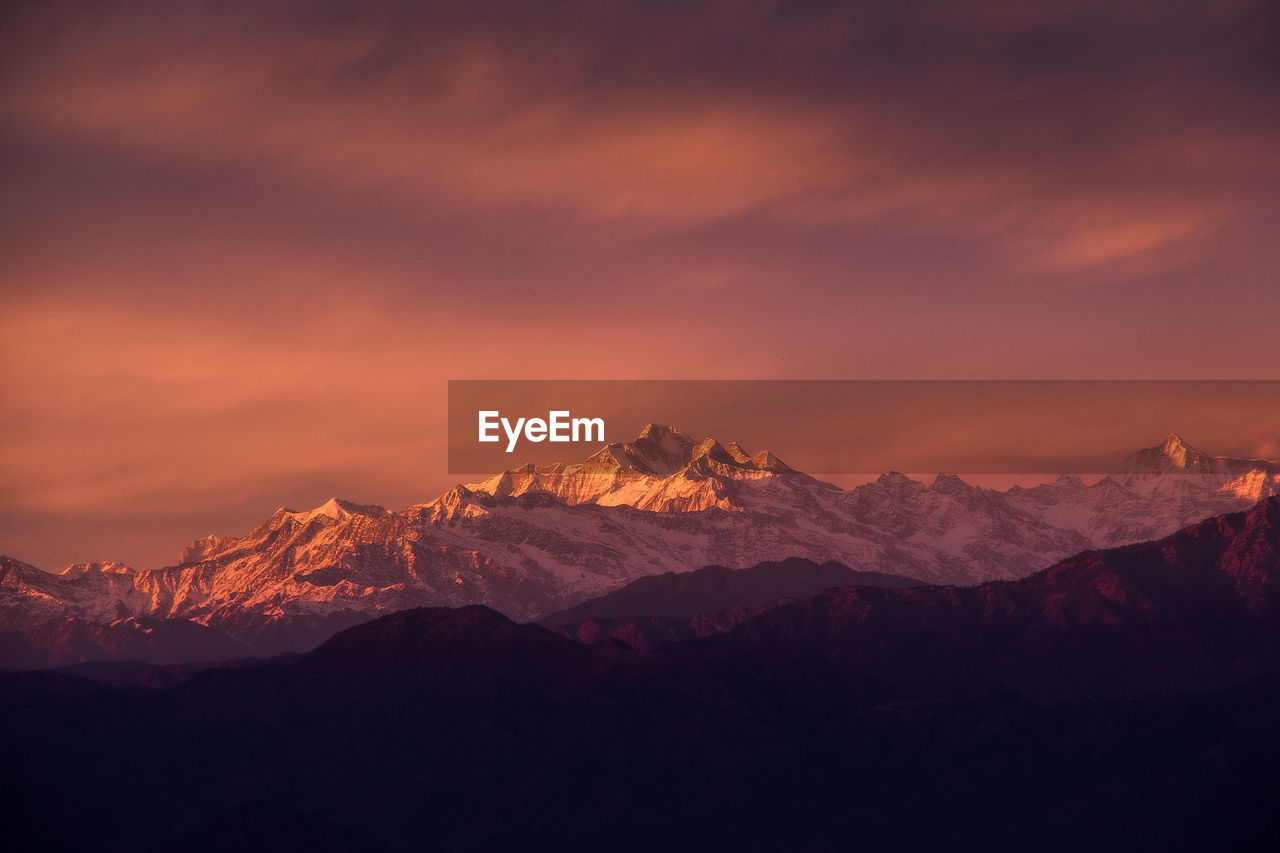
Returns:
<point x="1176" y="456"/>
<point x="538" y="539"/>
<point x="97" y="592"/>
<point x="1193" y="611"/>
<point x="945" y="531"/>
<point x="663" y="470"/>
<point x="913" y="718"/>
<point x="1160" y="489"/>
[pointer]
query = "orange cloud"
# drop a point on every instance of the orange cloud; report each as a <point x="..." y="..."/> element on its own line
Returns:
<point x="244" y="250"/>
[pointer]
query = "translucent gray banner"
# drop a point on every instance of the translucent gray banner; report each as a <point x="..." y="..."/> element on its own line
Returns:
<point x="869" y="426"/>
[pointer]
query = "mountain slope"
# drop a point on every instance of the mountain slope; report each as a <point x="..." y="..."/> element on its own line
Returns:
<point x="715" y="588"/>
<point x="1197" y="610"/>
<point x="490" y="735"/>
<point x="537" y="540"/>
<point x="1175" y="455"/>
<point x="60" y="642"/>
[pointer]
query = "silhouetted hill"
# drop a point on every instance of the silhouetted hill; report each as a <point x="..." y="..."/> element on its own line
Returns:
<point x="271" y="827"/>
<point x="461" y="730"/>
<point x="1198" y="610"/>
<point x="65" y="641"/>
<point x="715" y="588"/>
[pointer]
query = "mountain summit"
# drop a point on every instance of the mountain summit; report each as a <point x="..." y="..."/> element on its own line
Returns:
<point x="658" y="451"/>
<point x="539" y="539"/>
<point x="1175" y="455"/>
<point x="662" y="470"/>
<point x="334" y="509"/>
<point x="909" y="719"/>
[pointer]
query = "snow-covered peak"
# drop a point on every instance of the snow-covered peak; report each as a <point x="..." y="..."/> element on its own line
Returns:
<point x="540" y="536"/>
<point x="108" y="567"/>
<point x="458" y="502"/>
<point x="1254" y="486"/>
<point x="711" y="449"/>
<point x="766" y="460"/>
<point x="657" y="432"/>
<point x="659" y="451"/>
<point x="1178" y="451"/>
<point x="336" y="509"/>
<point x="1175" y="455"/>
<point x="200" y="549"/>
<point x="950" y="484"/>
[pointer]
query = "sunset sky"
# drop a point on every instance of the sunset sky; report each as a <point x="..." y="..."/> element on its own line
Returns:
<point x="245" y="245"/>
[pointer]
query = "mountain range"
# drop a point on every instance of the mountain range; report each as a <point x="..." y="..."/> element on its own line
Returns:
<point x="535" y="540"/>
<point x="890" y="718"/>
<point x="1198" y="610"/>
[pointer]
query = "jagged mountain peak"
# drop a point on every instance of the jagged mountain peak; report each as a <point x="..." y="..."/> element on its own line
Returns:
<point x="109" y="567"/>
<point x="458" y="502"/>
<point x="731" y="456"/>
<point x="659" y="451"/>
<point x="535" y="538"/>
<point x="662" y="470"/>
<point x="455" y="497"/>
<point x="766" y="460"/>
<point x="664" y="450"/>
<point x="1254" y="485"/>
<point x="713" y="450"/>
<point x="1179" y="452"/>
<point x="1176" y="455"/>
<point x="201" y="549"/>
<point x="657" y="432"/>
<point x="623" y="471"/>
<point x="335" y="509"/>
<point x="950" y="484"/>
